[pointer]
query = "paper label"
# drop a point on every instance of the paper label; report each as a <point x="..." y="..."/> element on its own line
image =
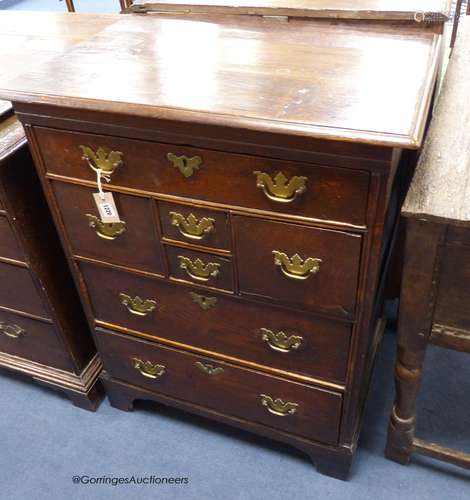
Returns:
<point x="106" y="207"/>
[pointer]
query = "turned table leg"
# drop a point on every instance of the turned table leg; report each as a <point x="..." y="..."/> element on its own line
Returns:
<point x="420" y="274"/>
<point x="401" y="430"/>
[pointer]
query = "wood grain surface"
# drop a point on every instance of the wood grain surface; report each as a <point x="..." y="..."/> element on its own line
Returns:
<point x="441" y="185"/>
<point x="310" y="78"/>
<point x="344" y="9"/>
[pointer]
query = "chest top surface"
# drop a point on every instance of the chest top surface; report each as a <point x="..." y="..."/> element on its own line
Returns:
<point x="28" y="39"/>
<point x="319" y="79"/>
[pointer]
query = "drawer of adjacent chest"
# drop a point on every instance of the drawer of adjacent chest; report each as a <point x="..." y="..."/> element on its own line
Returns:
<point x="272" y="338"/>
<point x="293" y="407"/>
<point x="33" y="340"/>
<point x="131" y="242"/>
<point x="9" y="245"/>
<point x="18" y="291"/>
<point x="313" y="268"/>
<point x="293" y="188"/>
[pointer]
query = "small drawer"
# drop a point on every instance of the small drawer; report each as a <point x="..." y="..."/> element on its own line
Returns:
<point x="309" y="267"/>
<point x="201" y="268"/>
<point x="33" y="340"/>
<point x="9" y="246"/>
<point x="269" y="185"/>
<point x="272" y="338"/>
<point x="209" y="228"/>
<point x="115" y="243"/>
<point x="240" y="392"/>
<point x="18" y="291"/>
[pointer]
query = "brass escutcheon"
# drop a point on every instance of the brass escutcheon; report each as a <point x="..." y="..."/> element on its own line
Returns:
<point x="209" y="369"/>
<point x="277" y="406"/>
<point x="185" y="165"/>
<point x="295" y="267"/>
<point x="12" y="331"/>
<point x="280" y="341"/>
<point x="197" y="269"/>
<point x="149" y="369"/>
<point x="106" y="230"/>
<point x="280" y="189"/>
<point x="136" y="305"/>
<point x="104" y="159"/>
<point x="203" y="302"/>
<point x="191" y="227"/>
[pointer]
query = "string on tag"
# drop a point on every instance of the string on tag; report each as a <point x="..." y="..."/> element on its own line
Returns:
<point x="100" y="176"/>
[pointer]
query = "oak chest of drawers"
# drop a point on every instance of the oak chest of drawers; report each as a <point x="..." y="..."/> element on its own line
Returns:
<point x="253" y="174"/>
<point x="43" y="329"/>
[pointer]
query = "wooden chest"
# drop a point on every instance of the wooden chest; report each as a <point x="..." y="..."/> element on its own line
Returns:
<point x="43" y="330"/>
<point x="252" y="167"/>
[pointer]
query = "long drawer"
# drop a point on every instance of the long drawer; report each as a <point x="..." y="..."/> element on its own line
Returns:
<point x="266" y="336"/>
<point x="290" y="406"/>
<point x="293" y="188"/>
<point x="33" y="340"/>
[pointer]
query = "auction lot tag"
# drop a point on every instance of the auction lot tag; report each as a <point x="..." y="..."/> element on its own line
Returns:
<point x="106" y="207"/>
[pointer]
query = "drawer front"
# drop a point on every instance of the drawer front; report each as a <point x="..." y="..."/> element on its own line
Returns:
<point x="17" y="291"/>
<point x="112" y="243"/>
<point x="209" y="228"/>
<point x="292" y="342"/>
<point x="33" y="340"/>
<point x="293" y="407"/>
<point x="310" y="267"/>
<point x="9" y="246"/>
<point x="326" y="193"/>
<point x="201" y="268"/>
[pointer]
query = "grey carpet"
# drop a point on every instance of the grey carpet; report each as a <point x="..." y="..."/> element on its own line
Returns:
<point x="45" y="441"/>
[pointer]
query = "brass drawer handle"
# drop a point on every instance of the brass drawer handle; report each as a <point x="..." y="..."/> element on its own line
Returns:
<point x="136" y="305"/>
<point x="12" y="331"/>
<point x="280" y="189"/>
<point x="197" y="269"/>
<point x="278" y="406"/>
<point x="106" y="230"/>
<point x="149" y="369"/>
<point x="190" y="227"/>
<point x="209" y="369"/>
<point x="185" y="165"/>
<point x="203" y="302"/>
<point x="280" y="341"/>
<point x="295" y="267"/>
<point x="104" y="159"/>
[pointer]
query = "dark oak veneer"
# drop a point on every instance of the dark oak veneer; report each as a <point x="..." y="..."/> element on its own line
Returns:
<point x="231" y="327"/>
<point x="333" y="194"/>
<point x="43" y="330"/>
<point x="332" y="289"/>
<point x="138" y="213"/>
<point x="236" y="391"/>
<point x="218" y="238"/>
<point x="254" y="103"/>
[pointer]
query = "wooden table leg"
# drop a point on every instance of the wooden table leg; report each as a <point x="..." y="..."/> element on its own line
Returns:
<point x="70" y="5"/>
<point x="422" y="255"/>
